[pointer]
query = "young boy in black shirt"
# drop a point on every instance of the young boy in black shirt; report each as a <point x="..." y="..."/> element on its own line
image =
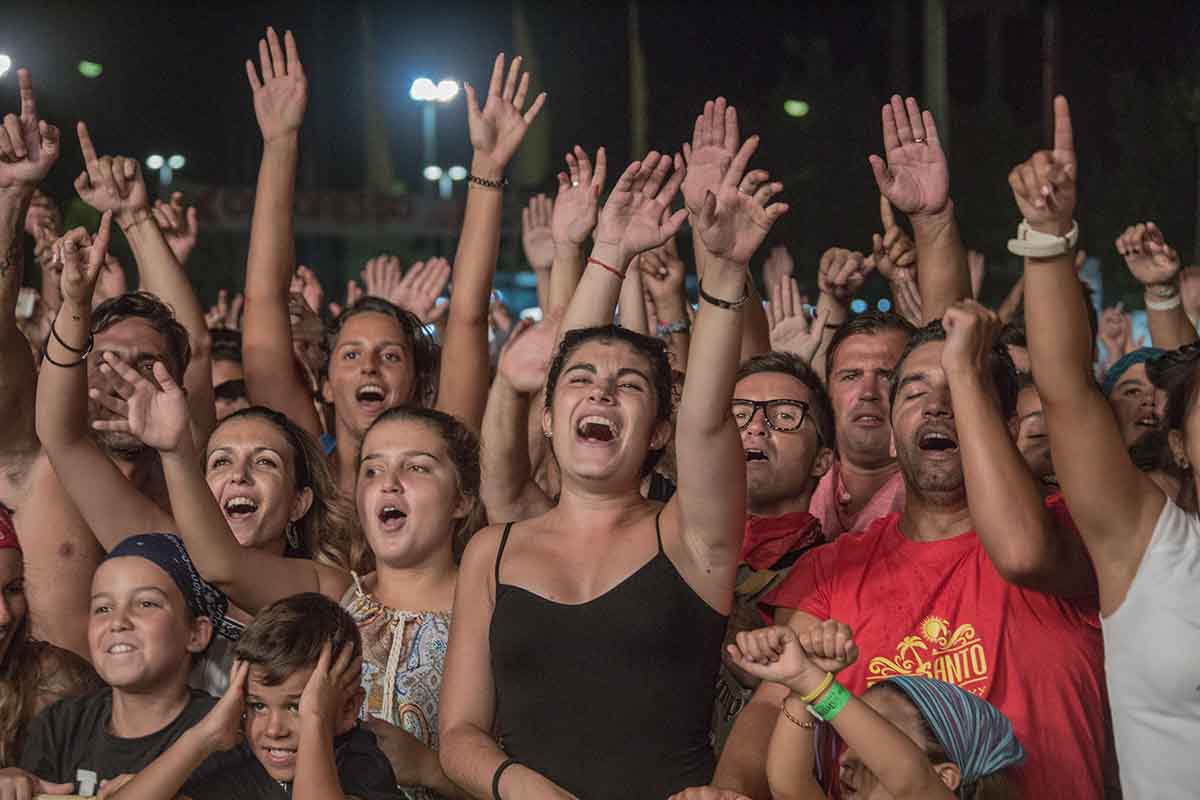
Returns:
<point x="293" y="698"/>
<point x="151" y="615"/>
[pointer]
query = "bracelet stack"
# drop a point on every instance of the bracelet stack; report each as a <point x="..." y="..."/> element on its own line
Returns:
<point x="81" y="352"/>
<point x="825" y="702"/>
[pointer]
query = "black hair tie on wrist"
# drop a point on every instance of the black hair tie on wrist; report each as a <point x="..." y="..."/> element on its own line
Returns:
<point x="736" y="305"/>
<point x="505" y="764"/>
<point x="87" y="346"/>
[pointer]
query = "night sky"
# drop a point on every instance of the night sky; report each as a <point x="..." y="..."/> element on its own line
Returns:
<point x="173" y="81"/>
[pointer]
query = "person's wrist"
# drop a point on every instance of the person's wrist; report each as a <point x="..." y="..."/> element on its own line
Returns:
<point x="286" y="139"/>
<point x="612" y="254"/>
<point x="132" y="217"/>
<point x="964" y="376"/>
<point x="485" y="167"/>
<point x="1053" y="227"/>
<point x="934" y="217"/>
<point x="804" y="684"/>
<point x="1161" y="291"/>
<point x="80" y="309"/>
<point x="18" y="192"/>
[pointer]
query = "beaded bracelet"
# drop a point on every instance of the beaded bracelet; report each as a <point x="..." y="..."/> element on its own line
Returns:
<point x="486" y="184"/>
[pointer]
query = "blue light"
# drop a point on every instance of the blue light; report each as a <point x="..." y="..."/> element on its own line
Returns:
<point x="858" y="306"/>
<point x="884" y="305"/>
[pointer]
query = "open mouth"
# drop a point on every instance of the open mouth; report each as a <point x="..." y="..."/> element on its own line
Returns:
<point x="119" y="649"/>
<point x="371" y="394"/>
<point x="279" y="756"/>
<point x="239" y="508"/>
<point x="1149" y="421"/>
<point x="392" y="516"/>
<point x="596" y="429"/>
<point x="1050" y="480"/>
<point x="755" y="455"/>
<point x="937" y="442"/>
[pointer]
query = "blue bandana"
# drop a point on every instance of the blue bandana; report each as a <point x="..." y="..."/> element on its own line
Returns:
<point x="166" y="551"/>
<point x="976" y="737"/>
<point x="1143" y="355"/>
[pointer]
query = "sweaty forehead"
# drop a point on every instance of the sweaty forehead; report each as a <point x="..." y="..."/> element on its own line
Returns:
<point x="771" y="386"/>
<point x="132" y="334"/>
<point x="870" y="350"/>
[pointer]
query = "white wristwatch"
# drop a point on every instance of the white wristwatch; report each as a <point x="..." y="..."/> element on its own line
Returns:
<point x="1035" y="244"/>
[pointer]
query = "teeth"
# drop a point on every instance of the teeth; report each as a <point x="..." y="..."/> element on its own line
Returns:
<point x="241" y="504"/>
<point x="594" y="420"/>
<point x="117" y="649"/>
<point x="372" y="391"/>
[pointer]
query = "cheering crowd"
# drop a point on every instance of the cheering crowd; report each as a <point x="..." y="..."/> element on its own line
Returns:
<point x="648" y="547"/>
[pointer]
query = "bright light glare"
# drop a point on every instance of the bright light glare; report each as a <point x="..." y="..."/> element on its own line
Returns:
<point x="447" y="90"/>
<point x="5" y="64"/>
<point x="432" y="173"/>
<point x="457" y="173"/>
<point x="176" y="161"/>
<point x="422" y="89"/>
<point x="795" y="108"/>
<point x="155" y="161"/>
<point x="90" y="69"/>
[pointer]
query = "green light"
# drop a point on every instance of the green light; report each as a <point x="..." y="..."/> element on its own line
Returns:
<point x="795" y="108"/>
<point x="90" y="69"/>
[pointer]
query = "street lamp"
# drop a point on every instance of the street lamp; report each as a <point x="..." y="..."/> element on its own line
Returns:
<point x="5" y="64"/>
<point x="166" y="167"/>
<point x="445" y="178"/>
<point x="430" y="94"/>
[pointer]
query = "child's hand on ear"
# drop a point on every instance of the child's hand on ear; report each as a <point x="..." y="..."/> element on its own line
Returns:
<point x="222" y="727"/>
<point x="332" y="683"/>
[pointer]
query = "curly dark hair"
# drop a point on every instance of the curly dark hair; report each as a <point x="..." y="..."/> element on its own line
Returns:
<point x="424" y="349"/>
<point x="158" y="315"/>
<point x="653" y="350"/>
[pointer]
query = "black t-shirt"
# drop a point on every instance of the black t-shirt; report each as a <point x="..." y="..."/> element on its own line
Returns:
<point x="70" y="742"/>
<point x="362" y="768"/>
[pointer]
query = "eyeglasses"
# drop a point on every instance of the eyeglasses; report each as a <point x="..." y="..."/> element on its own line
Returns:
<point x="784" y="416"/>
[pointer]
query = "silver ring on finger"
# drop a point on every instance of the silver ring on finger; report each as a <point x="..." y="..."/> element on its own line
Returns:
<point x="574" y="184"/>
<point x="918" y="140"/>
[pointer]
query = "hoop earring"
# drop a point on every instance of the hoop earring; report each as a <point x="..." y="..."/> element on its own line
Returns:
<point x="293" y="538"/>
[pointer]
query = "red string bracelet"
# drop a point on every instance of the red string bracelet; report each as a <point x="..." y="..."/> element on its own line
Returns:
<point x="597" y="262"/>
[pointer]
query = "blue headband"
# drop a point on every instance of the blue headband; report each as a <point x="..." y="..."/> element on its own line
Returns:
<point x="976" y="737"/>
<point x="1142" y="355"/>
<point x="166" y="551"/>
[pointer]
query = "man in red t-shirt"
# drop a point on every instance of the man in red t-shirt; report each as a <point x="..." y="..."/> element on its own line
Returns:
<point x="978" y="582"/>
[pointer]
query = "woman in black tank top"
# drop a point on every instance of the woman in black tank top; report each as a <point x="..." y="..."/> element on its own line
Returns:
<point x="587" y="640"/>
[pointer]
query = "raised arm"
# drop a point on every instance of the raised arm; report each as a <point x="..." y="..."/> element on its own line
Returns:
<point x="537" y="240"/>
<point x="29" y="147"/>
<point x="710" y="504"/>
<point x="496" y="133"/>
<point x="1155" y="265"/>
<point x="665" y="274"/>
<point x="1114" y="504"/>
<point x="839" y="277"/>
<point x="576" y="209"/>
<point x="273" y="378"/>
<point x="1016" y="530"/>
<point x="252" y="578"/>
<point x="110" y="503"/>
<point x="116" y="185"/>
<point x="631" y="308"/>
<point x="636" y="218"/>
<point x="916" y="179"/>
<point x="509" y="491"/>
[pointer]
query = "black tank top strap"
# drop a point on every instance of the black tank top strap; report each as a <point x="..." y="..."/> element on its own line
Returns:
<point x="658" y="528"/>
<point x="500" y="549"/>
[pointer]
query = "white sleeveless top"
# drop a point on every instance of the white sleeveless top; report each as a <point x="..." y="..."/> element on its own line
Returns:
<point x="1152" y="657"/>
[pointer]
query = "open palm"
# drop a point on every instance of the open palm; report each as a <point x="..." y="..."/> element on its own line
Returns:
<point x="282" y="95"/>
<point x="915" y="177"/>
<point x="637" y="215"/>
<point x="156" y="416"/>
<point x="714" y="142"/>
<point x="496" y="130"/>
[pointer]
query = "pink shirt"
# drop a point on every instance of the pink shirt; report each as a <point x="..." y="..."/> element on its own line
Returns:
<point x="831" y="498"/>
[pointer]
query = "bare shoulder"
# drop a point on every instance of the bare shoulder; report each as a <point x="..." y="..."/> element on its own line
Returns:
<point x="332" y="581"/>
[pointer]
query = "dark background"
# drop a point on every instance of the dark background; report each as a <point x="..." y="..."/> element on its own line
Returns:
<point x="173" y="81"/>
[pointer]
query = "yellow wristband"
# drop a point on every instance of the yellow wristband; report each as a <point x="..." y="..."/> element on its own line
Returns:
<point x="820" y="690"/>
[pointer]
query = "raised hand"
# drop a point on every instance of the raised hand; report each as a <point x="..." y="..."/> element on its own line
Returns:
<point x="525" y="357"/>
<point x="663" y="272"/>
<point x="354" y="293"/>
<point x="841" y="274"/>
<point x="777" y="654"/>
<point x="497" y="129"/>
<point x="577" y="205"/>
<point x="778" y="266"/>
<point x="1044" y="186"/>
<point x="225" y="315"/>
<point x="715" y="142"/>
<point x="330" y="684"/>
<point x="537" y="237"/>
<point x="733" y="224"/>
<point x="282" y="95"/>
<point x="82" y="260"/>
<point x="1116" y="332"/>
<point x="637" y="216"/>
<point x="43" y="216"/>
<point x="791" y="330"/>
<point x="29" y="146"/>
<point x="970" y="332"/>
<point x="110" y="183"/>
<point x="222" y="725"/>
<point x="829" y="645"/>
<point x="915" y="176"/>
<point x="1150" y="259"/>
<point x="156" y="416"/>
<point x="416" y="291"/>
<point x="308" y="285"/>
<point x="894" y="253"/>
<point x="179" y="225"/>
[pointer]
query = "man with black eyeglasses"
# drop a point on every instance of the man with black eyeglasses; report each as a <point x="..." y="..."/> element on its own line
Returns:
<point x="786" y="423"/>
